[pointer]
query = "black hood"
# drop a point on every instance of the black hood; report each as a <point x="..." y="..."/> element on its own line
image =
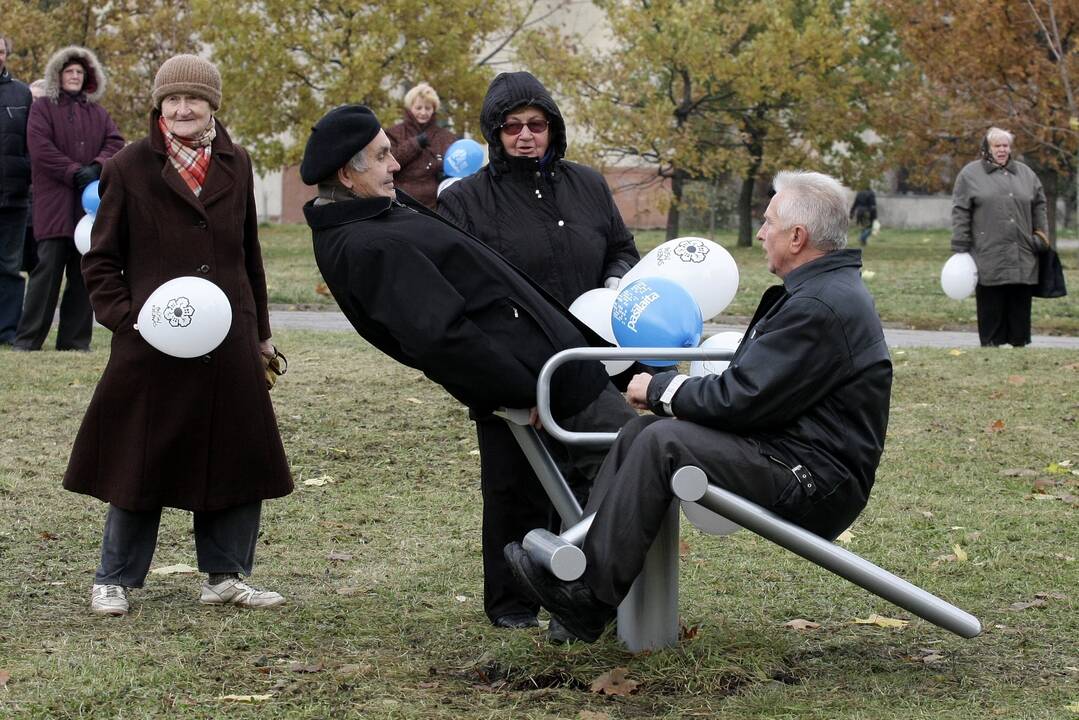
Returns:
<point x="508" y="92"/>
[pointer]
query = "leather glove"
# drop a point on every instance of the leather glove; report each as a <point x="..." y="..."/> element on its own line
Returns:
<point x="422" y="140"/>
<point x="86" y="175"/>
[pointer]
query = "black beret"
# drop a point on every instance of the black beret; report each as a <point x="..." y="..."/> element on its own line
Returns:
<point x="340" y="134"/>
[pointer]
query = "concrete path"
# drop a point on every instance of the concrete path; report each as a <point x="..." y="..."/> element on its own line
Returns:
<point x="897" y="337"/>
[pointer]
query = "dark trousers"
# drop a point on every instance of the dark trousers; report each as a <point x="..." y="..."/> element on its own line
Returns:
<point x="57" y="257"/>
<point x="514" y="501"/>
<point x="224" y="542"/>
<point x="1003" y="314"/>
<point x="632" y="493"/>
<point x="12" y="234"/>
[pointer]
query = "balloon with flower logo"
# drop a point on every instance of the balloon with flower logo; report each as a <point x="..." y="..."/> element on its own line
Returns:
<point x="704" y="268"/>
<point x="462" y="158"/>
<point x="185" y="317"/>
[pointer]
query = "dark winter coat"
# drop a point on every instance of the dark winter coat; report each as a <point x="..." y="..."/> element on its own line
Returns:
<point x="435" y="298"/>
<point x="864" y="209"/>
<point x="64" y="133"/>
<point x="554" y="219"/>
<point x="995" y="211"/>
<point x="421" y="168"/>
<point x="811" y="382"/>
<point x="15" y="100"/>
<point x="161" y="431"/>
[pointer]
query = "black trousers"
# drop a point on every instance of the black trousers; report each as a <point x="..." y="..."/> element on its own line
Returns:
<point x="632" y="494"/>
<point x="57" y="257"/>
<point x="224" y="542"/>
<point x="514" y="501"/>
<point x="1003" y="314"/>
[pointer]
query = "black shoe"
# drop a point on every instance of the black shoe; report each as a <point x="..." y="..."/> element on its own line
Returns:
<point x="516" y="621"/>
<point x="572" y="604"/>
<point x="557" y="634"/>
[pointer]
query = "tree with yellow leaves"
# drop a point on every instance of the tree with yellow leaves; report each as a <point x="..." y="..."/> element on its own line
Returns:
<point x="699" y="88"/>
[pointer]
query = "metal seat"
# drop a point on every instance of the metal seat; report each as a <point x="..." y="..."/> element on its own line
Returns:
<point x="648" y="616"/>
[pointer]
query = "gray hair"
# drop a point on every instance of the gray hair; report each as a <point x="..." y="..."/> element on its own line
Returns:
<point x="358" y="162"/>
<point x="996" y="133"/>
<point x="815" y="201"/>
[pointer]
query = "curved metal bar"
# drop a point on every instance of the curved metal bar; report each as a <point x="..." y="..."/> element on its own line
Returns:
<point x="598" y="439"/>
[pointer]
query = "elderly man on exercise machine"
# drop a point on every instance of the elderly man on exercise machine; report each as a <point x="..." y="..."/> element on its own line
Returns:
<point x="796" y="424"/>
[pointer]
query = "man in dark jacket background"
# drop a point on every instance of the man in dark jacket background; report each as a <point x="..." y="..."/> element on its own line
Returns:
<point x="435" y="298"/>
<point x="15" y="100"/>
<point x="70" y="136"/>
<point x="796" y="424"/>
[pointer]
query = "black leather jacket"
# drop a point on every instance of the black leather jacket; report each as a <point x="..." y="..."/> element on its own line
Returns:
<point x="810" y="382"/>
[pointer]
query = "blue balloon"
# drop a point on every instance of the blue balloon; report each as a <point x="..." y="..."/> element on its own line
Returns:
<point x="462" y="158"/>
<point x="656" y="312"/>
<point x="90" y="198"/>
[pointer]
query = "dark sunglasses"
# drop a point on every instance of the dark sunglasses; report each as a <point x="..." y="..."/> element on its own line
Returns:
<point x="535" y="126"/>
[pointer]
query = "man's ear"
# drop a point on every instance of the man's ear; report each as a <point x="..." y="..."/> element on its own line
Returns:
<point x="799" y="239"/>
<point x="343" y="178"/>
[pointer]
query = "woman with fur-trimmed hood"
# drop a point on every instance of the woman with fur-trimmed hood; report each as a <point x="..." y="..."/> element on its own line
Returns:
<point x="69" y="136"/>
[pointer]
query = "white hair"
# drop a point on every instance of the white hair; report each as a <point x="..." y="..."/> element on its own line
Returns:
<point x="996" y="133"/>
<point x="358" y="162"/>
<point x="815" y="201"/>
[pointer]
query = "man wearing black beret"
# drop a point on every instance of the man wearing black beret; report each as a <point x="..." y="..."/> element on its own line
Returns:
<point x="435" y="298"/>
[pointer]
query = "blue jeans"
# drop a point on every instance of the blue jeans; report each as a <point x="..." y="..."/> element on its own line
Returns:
<point x="12" y="237"/>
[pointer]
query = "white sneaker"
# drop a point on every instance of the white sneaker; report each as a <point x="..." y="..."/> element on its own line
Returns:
<point x="108" y="600"/>
<point x="235" y="591"/>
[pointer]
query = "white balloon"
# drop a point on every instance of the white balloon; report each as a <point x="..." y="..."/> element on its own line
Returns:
<point x="445" y="184"/>
<point x="593" y="308"/>
<point x="727" y="340"/>
<point x="82" y="233"/>
<point x="959" y="276"/>
<point x="704" y="268"/>
<point x="185" y="317"/>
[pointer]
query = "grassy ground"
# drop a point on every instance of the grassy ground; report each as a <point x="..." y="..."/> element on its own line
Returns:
<point x="905" y="281"/>
<point x="382" y="568"/>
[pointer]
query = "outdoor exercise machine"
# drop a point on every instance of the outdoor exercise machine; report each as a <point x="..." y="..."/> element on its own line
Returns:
<point x="648" y="616"/>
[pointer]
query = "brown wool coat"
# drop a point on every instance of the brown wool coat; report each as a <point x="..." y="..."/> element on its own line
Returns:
<point x="421" y="168"/>
<point x="200" y="433"/>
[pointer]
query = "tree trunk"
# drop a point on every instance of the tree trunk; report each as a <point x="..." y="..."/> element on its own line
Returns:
<point x="745" y="212"/>
<point x="678" y="181"/>
<point x="754" y="130"/>
<point x="1050" y="181"/>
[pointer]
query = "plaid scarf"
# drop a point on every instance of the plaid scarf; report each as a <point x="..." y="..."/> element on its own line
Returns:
<point x="190" y="157"/>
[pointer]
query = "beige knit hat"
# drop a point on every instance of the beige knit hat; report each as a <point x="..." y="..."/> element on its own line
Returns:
<point x="188" y="74"/>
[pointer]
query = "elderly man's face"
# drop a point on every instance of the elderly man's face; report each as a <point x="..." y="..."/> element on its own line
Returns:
<point x="776" y="240"/>
<point x="377" y="179"/>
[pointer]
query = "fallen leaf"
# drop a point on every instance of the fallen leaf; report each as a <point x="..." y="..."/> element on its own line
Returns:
<point x="46" y="535"/>
<point x="1053" y="595"/>
<point x="473" y="452"/>
<point x="800" y="624"/>
<point x="4" y="677"/>
<point x="347" y="591"/>
<point x="683" y="548"/>
<point x="355" y="669"/>
<point x="299" y="667"/>
<point x="414" y="401"/>
<point x="614" y="682"/>
<point x="461" y="598"/>
<point x="996" y="426"/>
<point x="592" y="715"/>
<point x="1027" y="605"/>
<point x="180" y="569"/>
<point x="845" y="537"/>
<point x="1016" y="379"/>
<point x="1044" y="485"/>
<point x="685" y="632"/>
<point x="244" y="698"/>
<point x="1060" y="468"/>
<point x="868" y="274"/>
<point x="960" y="553"/>
<point x="1018" y="472"/>
<point x="1065" y="558"/>
<point x="339" y="556"/>
<point x="956" y="353"/>
<point x="427" y="685"/>
<point x="927" y="515"/>
<point x="1074" y="707"/>
<point x="320" y="481"/>
<point x="321" y="289"/>
<point x="929" y="656"/>
<point x="881" y="621"/>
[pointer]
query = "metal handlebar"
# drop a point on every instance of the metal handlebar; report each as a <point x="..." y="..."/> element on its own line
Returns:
<point x="603" y="439"/>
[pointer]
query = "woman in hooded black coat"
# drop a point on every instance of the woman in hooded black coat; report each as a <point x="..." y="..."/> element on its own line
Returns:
<point x="556" y="220"/>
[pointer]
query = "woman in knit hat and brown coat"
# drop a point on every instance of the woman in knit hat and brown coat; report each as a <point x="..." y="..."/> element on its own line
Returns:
<point x="197" y="434"/>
